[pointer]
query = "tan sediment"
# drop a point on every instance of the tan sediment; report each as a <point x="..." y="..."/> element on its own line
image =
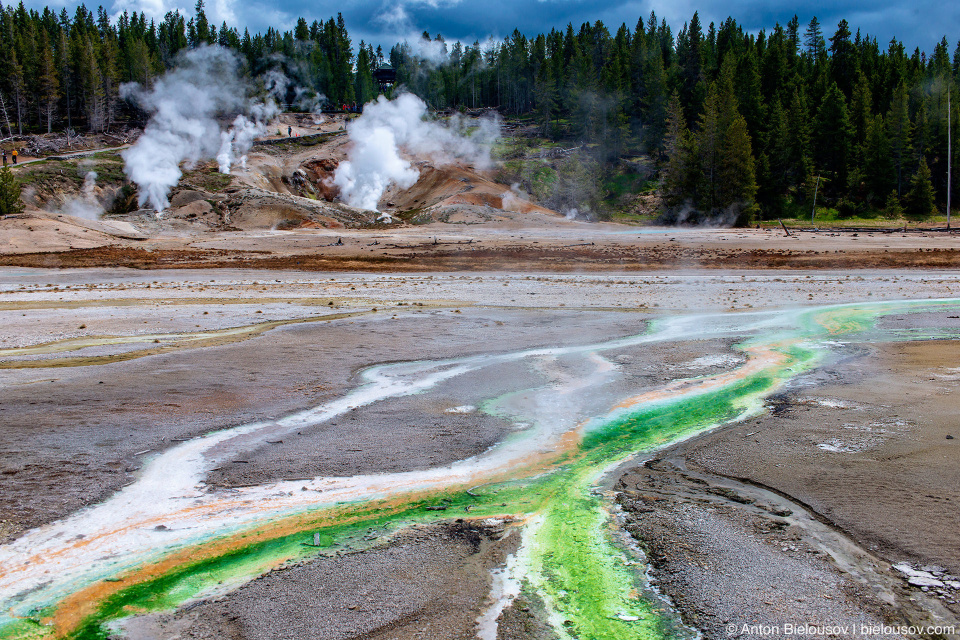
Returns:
<point x="201" y="339"/>
<point x="762" y="359"/>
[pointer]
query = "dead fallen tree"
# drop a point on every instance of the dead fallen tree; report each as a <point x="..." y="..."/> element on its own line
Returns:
<point x="556" y="152"/>
<point x="41" y="146"/>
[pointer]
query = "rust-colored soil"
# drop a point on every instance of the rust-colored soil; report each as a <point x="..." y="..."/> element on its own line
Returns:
<point x="469" y="257"/>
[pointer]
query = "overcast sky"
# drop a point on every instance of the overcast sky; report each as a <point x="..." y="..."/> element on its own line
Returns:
<point x="917" y="23"/>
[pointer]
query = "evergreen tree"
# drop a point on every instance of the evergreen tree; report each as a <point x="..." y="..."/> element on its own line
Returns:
<point x="545" y="89"/>
<point x="899" y="134"/>
<point x="63" y="68"/>
<point x="709" y="139"/>
<point x="747" y="84"/>
<point x="10" y="202"/>
<point x="793" y="35"/>
<point x="800" y="160"/>
<point x="775" y="166"/>
<point x="843" y="60"/>
<point x="94" y="97"/>
<point x="201" y="32"/>
<point x="813" y="40"/>
<point x="301" y="32"/>
<point x="920" y="198"/>
<point x="689" y="43"/>
<point x="18" y="90"/>
<point x="831" y="136"/>
<point x="678" y="176"/>
<point x="653" y="97"/>
<point x="737" y="184"/>
<point x="878" y="170"/>
<point x="735" y="170"/>
<point x="861" y="108"/>
<point x="892" y="207"/>
<point x="365" y="87"/>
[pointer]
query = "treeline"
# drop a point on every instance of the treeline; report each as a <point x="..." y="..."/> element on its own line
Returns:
<point x="741" y="124"/>
<point x="735" y="122"/>
<point x="61" y="70"/>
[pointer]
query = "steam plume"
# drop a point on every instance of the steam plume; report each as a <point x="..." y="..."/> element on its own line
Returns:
<point x="284" y="90"/>
<point x="87" y="206"/>
<point x="184" y="105"/>
<point x="235" y="142"/>
<point x="374" y="160"/>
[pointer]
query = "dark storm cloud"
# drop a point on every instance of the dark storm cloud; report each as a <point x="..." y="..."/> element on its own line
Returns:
<point x="917" y="24"/>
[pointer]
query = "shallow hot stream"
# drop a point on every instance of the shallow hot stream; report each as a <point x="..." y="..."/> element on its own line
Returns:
<point x="169" y="538"/>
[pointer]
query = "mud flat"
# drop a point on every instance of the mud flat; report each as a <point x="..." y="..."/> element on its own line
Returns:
<point x="835" y="507"/>
<point x="532" y="242"/>
<point x="105" y="371"/>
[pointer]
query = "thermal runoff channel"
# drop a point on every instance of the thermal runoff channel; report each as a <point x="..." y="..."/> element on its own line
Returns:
<point x="581" y="419"/>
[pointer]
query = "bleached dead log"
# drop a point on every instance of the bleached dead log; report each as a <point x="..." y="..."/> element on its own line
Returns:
<point x="6" y="117"/>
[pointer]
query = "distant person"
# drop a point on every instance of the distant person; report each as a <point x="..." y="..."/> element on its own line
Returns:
<point x="289" y="131"/>
<point x="14" y="156"/>
<point x="4" y="157"/>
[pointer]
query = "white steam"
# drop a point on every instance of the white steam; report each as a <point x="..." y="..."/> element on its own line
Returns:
<point x="515" y="199"/>
<point x="278" y="86"/>
<point x="235" y="142"/>
<point x="374" y="164"/>
<point x="374" y="161"/>
<point x="310" y="101"/>
<point x="433" y="51"/>
<point x="397" y="20"/>
<point x="86" y="206"/>
<point x="184" y="105"/>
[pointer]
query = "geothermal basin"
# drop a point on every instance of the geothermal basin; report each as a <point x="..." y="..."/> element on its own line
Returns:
<point x="281" y="454"/>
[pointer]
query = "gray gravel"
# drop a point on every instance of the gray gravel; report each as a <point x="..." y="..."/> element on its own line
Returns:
<point x="431" y="582"/>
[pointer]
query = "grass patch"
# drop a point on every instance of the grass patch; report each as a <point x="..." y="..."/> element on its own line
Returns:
<point x="844" y="214"/>
<point x="622" y="184"/>
<point x="296" y="144"/>
<point x="414" y="216"/>
<point x="50" y="174"/>
<point x="207" y="178"/>
<point x="68" y="174"/>
<point x="632" y="217"/>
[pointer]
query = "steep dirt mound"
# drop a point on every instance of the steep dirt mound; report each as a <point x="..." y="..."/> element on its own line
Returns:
<point x="185" y="197"/>
<point x="196" y="206"/>
<point x="251" y="209"/>
<point x="260" y="214"/>
<point x="198" y="211"/>
<point x="443" y="188"/>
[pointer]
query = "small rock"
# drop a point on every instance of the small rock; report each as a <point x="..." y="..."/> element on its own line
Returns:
<point x="924" y="583"/>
